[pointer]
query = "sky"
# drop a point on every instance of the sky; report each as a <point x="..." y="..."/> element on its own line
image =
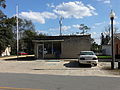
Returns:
<point x="45" y="15"/>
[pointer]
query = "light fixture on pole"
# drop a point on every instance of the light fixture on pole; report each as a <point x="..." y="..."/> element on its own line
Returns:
<point x="112" y="16"/>
<point x="60" y="22"/>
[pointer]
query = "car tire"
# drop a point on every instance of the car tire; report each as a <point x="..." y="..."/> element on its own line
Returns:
<point x="79" y="64"/>
<point x="95" y="64"/>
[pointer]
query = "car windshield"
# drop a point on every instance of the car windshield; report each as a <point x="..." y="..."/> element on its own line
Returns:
<point x="87" y="53"/>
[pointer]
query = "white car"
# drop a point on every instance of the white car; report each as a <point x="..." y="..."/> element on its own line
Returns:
<point x="88" y="57"/>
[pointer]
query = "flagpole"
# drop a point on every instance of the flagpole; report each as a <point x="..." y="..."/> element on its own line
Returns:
<point x="17" y="30"/>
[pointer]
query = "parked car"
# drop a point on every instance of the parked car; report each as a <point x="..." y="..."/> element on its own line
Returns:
<point x="88" y="57"/>
<point x="22" y="53"/>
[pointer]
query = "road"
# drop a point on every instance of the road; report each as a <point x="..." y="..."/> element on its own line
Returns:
<point x="11" y="81"/>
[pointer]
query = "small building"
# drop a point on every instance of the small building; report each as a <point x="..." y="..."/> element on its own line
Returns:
<point x="117" y="44"/>
<point x="61" y="46"/>
<point x="107" y="48"/>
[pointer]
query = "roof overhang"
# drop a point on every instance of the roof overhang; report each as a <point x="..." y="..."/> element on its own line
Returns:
<point x="47" y="41"/>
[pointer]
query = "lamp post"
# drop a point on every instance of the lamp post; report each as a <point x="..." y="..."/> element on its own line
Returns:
<point x="112" y="16"/>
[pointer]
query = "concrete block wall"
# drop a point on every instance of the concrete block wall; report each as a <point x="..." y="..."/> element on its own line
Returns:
<point x="71" y="47"/>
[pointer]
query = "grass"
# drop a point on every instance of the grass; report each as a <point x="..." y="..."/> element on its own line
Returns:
<point x="104" y="57"/>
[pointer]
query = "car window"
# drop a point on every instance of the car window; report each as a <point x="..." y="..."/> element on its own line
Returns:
<point x="87" y="53"/>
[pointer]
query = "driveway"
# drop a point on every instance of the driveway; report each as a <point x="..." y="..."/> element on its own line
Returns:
<point x="57" y="67"/>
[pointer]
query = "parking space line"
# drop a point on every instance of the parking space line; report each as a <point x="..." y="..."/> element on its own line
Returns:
<point x="12" y="88"/>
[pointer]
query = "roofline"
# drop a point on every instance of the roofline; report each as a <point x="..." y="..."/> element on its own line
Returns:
<point x="47" y="40"/>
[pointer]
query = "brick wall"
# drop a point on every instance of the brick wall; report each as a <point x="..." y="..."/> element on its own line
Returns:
<point x="117" y="46"/>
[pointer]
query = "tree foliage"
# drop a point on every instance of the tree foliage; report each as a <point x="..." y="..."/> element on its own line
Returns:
<point x="95" y="47"/>
<point x="105" y="36"/>
<point x="104" y="39"/>
<point x="2" y="3"/>
<point x="27" y="44"/>
<point x="84" y="28"/>
<point x="8" y="34"/>
<point x="8" y="31"/>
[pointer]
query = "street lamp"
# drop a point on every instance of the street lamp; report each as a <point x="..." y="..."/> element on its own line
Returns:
<point x="112" y="16"/>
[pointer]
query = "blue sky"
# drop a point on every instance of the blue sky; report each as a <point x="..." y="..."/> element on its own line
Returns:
<point x="45" y="14"/>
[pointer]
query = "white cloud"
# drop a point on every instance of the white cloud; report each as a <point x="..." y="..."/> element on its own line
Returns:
<point x="66" y="27"/>
<point x="76" y="26"/>
<point x="93" y="34"/>
<point x="96" y="36"/>
<point x="38" y="16"/>
<point x="63" y="28"/>
<point x="105" y="1"/>
<point x="115" y="22"/>
<point x="74" y="10"/>
<point x="97" y="24"/>
<point x="53" y="29"/>
<point x="42" y="31"/>
<point x="51" y="5"/>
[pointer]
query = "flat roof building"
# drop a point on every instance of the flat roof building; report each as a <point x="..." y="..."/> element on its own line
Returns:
<point x="61" y="46"/>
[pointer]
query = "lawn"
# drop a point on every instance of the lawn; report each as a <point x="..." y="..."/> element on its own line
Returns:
<point x="104" y="57"/>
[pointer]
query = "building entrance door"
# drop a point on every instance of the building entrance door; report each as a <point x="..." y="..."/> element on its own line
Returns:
<point x="40" y="53"/>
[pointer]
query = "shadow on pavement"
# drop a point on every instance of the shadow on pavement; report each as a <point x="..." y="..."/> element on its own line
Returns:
<point x="53" y="69"/>
<point x="32" y="58"/>
<point x="76" y="64"/>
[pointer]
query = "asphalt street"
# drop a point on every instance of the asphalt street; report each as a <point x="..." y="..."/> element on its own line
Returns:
<point x="11" y="81"/>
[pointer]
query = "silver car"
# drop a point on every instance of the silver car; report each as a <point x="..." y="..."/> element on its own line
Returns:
<point x="88" y="57"/>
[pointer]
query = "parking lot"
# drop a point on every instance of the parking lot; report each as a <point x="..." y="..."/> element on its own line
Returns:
<point x="57" y="67"/>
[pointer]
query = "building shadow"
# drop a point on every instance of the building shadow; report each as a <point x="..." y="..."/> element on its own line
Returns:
<point x="76" y="64"/>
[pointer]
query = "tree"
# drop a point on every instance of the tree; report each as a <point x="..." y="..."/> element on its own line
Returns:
<point x="26" y="41"/>
<point x="84" y="28"/>
<point x="105" y="36"/>
<point x="102" y="39"/>
<point x="6" y="34"/>
<point x="2" y="3"/>
<point x="3" y="36"/>
<point x="107" y="30"/>
<point x="95" y="47"/>
<point x="26" y="34"/>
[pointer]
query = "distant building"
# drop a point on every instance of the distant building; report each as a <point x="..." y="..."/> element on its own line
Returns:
<point x="107" y="48"/>
<point x="61" y="46"/>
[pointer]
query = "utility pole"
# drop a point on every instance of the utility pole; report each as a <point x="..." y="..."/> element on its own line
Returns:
<point x="17" y="8"/>
<point x="60" y="22"/>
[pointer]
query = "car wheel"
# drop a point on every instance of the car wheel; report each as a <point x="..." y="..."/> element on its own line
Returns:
<point x="79" y="64"/>
<point x="95" y="64"/>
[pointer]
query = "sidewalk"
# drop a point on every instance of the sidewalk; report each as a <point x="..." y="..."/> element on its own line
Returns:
<point x="57" y="68"/>
<point x="15" y="57"/>
<point x="54" y="67"/>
